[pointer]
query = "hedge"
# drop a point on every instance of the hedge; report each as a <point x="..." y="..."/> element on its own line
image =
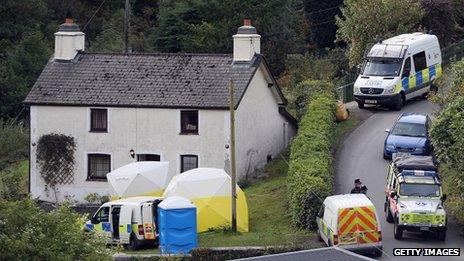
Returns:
<point x="310" y="174"/>
<point x="447" y="134"/>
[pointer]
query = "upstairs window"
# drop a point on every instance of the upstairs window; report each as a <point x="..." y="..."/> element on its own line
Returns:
<point x="189" y="122"/>
<point x="188" y="162"/>
<point x="148" y="157"/>
<point x="98" y="120"/>
<point x="98" y="166"/>
<point x="420" y="62"/>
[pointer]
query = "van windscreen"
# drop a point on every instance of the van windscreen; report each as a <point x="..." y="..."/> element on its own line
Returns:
<point x="379" y="67"/>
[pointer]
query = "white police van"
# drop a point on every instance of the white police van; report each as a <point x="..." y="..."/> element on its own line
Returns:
<point x="398" y="69"/>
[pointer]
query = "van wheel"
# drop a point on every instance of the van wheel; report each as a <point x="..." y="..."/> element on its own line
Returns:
<point x="397" y="230"/>
<point x="388" y="214"/>
<point x="399" y="103"/>
<point x="361" y="105"/>
<point x="441" y="234"/>
<point x="318" y="235"/>
<point x="377" y="253"/>
<point x="133" y="244"/>
<point x="433" y="88"/>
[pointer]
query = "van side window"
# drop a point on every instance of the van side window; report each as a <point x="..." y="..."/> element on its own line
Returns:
<point x="103" y="215"/>
<point x="406" y="68"/>
<point x="420" y="62"/>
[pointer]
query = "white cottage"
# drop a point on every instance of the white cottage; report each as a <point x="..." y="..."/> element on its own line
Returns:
<point x="122" y="108"/>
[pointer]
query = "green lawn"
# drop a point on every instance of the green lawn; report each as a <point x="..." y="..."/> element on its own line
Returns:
<point x="268" y="212"/>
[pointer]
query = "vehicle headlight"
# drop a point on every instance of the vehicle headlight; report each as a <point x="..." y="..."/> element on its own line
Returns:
<point x="390" y="147"/>
<point x="356" y="90"/>
<point x="419" y="150"/>
<point x="402" y="205"/>
<point x="390" y="90"/>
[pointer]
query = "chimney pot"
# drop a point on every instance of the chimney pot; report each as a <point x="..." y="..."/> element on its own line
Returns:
<point x="247" y="22"/>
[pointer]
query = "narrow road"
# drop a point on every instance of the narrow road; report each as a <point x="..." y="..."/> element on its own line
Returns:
<point x="360" y="156"/>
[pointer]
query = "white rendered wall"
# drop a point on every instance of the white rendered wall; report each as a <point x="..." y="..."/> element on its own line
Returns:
<point x="260" y="127"/>
<point x="143" y="130"/>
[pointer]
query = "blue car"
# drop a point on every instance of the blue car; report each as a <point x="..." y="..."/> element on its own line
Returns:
<point x="409" y="134"/>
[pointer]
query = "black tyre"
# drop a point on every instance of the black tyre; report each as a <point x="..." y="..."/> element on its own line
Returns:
<point x="361" y="105"/>
<point x="441" y="234"/>
<point x="385" y="156"/>
<point x="433" y="88"/>
<point x="377" y="253"/>
<point x="398" y="103"/>
<point x="133" y="244"/>
<point x="319" y="238"/>
<point x="397" y="230"/>
<point x="388" y="214"/>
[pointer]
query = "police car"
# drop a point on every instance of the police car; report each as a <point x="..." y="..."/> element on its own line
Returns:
<point x="414" y="197"/>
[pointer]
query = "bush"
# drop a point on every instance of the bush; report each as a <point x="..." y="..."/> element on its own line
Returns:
<point x="13" y="143"/>
<point x="27" y="232"/>
<point x="310" y="173"/>
<point x="303" y="92"/>
<point x="13" y="181"/>
<point x="447" y="134"/>
<point x="450" y="85"/>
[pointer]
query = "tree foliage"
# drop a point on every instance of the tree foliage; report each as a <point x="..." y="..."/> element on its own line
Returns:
<point x="29" y="233"/>
<point x="365" y="21"/>
<point x="321" y="21"/>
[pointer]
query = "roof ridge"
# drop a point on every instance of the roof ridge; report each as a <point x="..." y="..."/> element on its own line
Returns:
<point x="160" y="54"/>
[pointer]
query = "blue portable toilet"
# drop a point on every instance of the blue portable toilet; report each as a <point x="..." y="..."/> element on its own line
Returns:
<point x="177" y="223"/>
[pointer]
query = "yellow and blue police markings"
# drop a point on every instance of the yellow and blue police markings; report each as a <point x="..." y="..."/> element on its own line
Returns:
<point x="419" y="78"/>
<point x="102" y="226"/>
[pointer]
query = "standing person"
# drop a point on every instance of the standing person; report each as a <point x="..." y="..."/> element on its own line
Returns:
<point x="358" y="187"/>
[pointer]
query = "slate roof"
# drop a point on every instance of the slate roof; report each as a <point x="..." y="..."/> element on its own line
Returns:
<point x="320" y="254"/>
<point x="143" y="80"/>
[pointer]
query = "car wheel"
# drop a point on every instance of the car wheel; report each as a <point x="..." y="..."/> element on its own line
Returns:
<point x="361" y="105"/>
<point x="433" y="88"/>
<point x="397" y="230"/>
<point x="385" y="156"/>
<point x="388" y="214"/>
<point x="441" y="234"/>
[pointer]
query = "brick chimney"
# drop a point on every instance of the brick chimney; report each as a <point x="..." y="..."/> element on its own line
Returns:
<point x="247" y="42"/>
<point x="68" y="40"/>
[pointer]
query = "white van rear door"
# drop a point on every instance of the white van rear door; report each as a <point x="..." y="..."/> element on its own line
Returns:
<point x="125" y="224"/>
<point x="148" y="220"/>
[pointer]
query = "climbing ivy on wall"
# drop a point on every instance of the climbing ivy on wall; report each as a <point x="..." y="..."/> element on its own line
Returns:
<point x="55" y="156"/>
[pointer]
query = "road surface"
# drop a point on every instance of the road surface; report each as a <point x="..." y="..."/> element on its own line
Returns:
<point x="360" y="156"/>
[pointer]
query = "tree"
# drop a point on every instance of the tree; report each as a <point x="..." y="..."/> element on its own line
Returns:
<point x="19" y="70"/>
<point x="440" y="18"/>
<point x="365" y="21"/>
<point x="321" y="18"/>
<point x="207" y="26"/>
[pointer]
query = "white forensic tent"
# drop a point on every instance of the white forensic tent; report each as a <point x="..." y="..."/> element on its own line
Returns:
<point x="143" y="178"/>
<point x="210" y="190"/>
